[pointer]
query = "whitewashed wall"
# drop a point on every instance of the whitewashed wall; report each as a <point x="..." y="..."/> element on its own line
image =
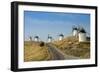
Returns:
<point x="82" y="37"/>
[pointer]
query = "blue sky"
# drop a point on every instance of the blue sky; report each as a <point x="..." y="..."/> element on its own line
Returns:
<point x="53" y="23"/>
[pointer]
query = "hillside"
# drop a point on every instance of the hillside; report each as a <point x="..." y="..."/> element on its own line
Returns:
<point x="35" y="51"/>
<point x="71" y="46"/>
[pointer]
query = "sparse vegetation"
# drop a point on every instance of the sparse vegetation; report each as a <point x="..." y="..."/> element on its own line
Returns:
<point x="36" y="51"/>
<point x="41" y="44"/>
<point x="71" y="46"/>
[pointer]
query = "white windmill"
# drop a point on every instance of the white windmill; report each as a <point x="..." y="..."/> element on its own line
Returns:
<point x="30" y="38"/>
<point x="75" y="31"/>
<point x="82" y="35"/>
<point x="49" y="38"/>
<point x="61" y="36"/>
<point x="36" y="38"/>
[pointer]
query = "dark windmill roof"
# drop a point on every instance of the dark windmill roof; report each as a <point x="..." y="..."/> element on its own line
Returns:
<point x="49" y="37"/>
<point x="61" y="35"/>
<point x="36" y="37"/>
<point x="30" y="37"/>
<point x="75" y="28"/>
<point x="82" y="30"/>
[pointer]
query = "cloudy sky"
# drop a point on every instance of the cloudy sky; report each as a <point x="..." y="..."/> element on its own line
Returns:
<point x="53" y="23"/>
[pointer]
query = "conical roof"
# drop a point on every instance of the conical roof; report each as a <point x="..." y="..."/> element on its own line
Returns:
<point x="82" y="30"/>
<point x="61" y="35"/>
<point x="49" y="37"/>
<point x="36" y="37"/>
<point x="74" y="28"/>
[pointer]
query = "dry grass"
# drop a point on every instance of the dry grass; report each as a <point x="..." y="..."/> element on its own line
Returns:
<point x="34" y="52"/>
<point x="71" y="46"/>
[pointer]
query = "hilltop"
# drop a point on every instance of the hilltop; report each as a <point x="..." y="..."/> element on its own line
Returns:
<point x="71" y="46"/>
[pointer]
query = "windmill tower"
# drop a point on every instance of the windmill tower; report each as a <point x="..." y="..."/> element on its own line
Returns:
<point x="36" y="38"/>
<point x="61" y="36"/>
<point x="75" y="31"/>
<point x="30" y="38"/>
<point x="49" y="38"/>
<point x="82" y="35"/>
